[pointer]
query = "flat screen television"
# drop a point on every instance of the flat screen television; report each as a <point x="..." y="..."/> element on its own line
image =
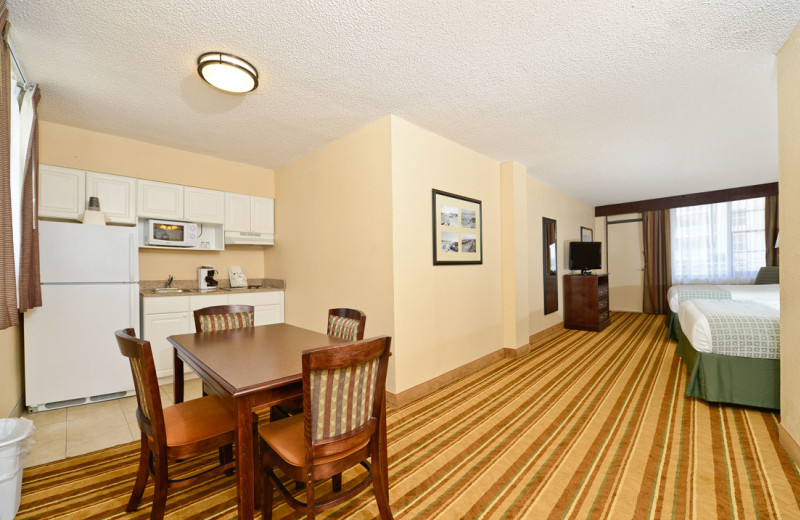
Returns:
<point x="584" y="256"/>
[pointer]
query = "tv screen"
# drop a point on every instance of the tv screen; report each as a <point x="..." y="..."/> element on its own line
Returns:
<point x="584" y="256"/>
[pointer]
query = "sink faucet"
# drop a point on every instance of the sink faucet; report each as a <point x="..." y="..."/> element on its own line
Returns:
<point x="169" y="281"/>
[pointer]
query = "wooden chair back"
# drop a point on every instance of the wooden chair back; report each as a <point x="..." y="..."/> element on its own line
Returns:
<point x="149" y="413"/>
<point x="343" y="390"/>
<point x="346" y="324"/>
<point x="223" y="317"/>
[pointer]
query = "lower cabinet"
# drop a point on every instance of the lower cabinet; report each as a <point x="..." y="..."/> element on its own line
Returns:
<point x="169" y="315"/>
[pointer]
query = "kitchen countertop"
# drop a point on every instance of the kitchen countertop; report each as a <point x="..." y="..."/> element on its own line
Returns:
<point x="147" y="287"/>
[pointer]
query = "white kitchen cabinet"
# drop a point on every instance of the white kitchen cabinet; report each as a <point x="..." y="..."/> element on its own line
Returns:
<point x="159" y="200"/>
<point x="268" y="306"/>
<point x="245" y="213"/>
<point x="262" y="215"/>
<point x="165" y="316"/>
<point x="117" y="196"/>
<point x="237" y="212"/>
<point x="201" y="205"/>
<point x="62" y="192"/>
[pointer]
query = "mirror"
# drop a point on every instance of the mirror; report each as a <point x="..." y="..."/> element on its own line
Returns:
<point x="550" y="265"/>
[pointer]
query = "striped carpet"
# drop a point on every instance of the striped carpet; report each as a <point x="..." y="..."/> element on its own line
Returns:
<point x="589" y="425"/>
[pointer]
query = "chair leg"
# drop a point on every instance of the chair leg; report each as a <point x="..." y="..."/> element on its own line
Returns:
<point x="379" y="483"/>
<point x="141" y="476"/>
<point x="266" y="496"/>
<point x="309" y="499"/>
<point x="337" y="482"/>
<point x="160" y="488"/>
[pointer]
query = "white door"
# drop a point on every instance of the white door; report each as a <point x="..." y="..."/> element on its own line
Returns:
<point x="625" y="263"/>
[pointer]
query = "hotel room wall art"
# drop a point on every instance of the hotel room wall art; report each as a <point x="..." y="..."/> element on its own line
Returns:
<point x="457" y="229"/>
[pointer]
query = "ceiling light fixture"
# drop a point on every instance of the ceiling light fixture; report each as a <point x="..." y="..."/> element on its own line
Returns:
<point x="227" y="72"/>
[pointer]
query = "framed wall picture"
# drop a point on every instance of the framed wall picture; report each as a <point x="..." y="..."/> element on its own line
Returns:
<point x="587" y="234"/>
<point x="457" y="229"/>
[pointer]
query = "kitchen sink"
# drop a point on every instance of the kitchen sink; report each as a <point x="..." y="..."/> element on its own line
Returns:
<point x="170" y="290"/>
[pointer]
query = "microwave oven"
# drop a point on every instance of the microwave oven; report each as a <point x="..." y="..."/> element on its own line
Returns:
<point x="171" y="233"/>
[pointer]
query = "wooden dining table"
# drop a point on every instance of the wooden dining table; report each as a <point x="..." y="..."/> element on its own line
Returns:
<point x="253" y="369"/>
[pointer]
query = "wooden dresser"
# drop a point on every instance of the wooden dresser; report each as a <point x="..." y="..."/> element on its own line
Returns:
<point x="586" y="302"/>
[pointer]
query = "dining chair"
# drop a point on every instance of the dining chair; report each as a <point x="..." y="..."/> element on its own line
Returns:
<point x="222" y="317"/>
<point x="343" y="323"/>
<point x="343" y="402"/>
<point x="346" y="324"/>
<point x="177" y="432"/>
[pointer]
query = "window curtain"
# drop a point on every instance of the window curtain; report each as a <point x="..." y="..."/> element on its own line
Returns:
<point x="719" y="243"/>
<point x="30" y="287"/>
<point x="771" y="228"/>
<point x="657" y="271"/>
<point x="9" y="315"/>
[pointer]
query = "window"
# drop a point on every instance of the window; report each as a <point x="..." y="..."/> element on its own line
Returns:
<point x="718" y="243"/>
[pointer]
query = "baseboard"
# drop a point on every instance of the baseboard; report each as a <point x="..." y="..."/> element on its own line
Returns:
<point x="542" y="334"/>
<point x="428" y="387"/>
<point x="789" y="444"/>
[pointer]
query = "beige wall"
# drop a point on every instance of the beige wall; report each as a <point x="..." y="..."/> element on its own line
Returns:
<point x="789" y="154"/>
<point x="83" y="149"/>
<point x="333" y="212"/>
<point x="446" y="315"/>
<point x="11" y="383"/>
<point x="570" y="214"/>
<point x="515" y="249"/>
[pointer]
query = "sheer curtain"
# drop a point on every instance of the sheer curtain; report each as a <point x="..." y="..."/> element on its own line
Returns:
<point x="718" y="243"/>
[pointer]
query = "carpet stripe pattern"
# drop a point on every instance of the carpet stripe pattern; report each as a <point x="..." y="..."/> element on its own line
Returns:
<point x="588" y="425"/>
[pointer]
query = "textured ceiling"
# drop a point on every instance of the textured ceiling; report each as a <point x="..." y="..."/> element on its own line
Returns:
<point x="606" y="100"/>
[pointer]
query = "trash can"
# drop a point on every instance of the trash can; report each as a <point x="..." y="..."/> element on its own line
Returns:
<point x="15" y="439"/>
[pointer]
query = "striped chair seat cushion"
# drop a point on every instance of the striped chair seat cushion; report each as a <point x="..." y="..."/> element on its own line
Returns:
<point x="237" y="320"/>
<point x="344" y="328"/>
<point x="341" y="399"/>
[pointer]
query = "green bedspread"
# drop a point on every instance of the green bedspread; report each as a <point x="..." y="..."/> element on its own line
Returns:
<point x="730" y="379"/>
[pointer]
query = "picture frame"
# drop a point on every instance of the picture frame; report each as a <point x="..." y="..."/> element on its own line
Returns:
<point x="457" y="229"/>
<point x="587" y="234"/>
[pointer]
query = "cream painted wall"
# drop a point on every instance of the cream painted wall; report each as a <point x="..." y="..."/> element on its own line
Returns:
<point x="333" y="212"/>
<point x="789" y="161"/>
<point x="446" y="315"/>
<point x="570" y="214"/>
<point x="514" y="244"/>
<point x="11" y="383"/>
<point x="83" y="149"/>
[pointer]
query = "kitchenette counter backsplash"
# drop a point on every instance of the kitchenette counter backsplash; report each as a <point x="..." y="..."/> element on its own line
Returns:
<point x="148" y="288"/>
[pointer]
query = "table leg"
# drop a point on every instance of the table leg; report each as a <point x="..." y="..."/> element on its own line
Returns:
<point x="177" y="380"/>
<point x="245" y="470"/>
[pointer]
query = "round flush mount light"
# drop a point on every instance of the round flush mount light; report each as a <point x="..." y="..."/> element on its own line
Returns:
<point x="227" y="72"/>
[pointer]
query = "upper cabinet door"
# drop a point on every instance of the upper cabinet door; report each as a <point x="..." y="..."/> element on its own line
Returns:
<point x="207" y="206"/>
<point x="237" y="212"/>
<point x="262" y="215"/>
<point x="62" y="192"/>
<point x="160" y="200"/>
<point x="117" y="196"/>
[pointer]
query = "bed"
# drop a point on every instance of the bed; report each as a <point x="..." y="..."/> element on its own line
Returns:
<point x="765" y="293"/>
<point x="731" y="349"/>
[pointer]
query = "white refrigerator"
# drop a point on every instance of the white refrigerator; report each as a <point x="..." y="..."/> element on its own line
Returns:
<point x="90" y="288"/>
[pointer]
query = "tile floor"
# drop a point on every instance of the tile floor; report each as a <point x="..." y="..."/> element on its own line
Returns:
<point x="76" y="430"/>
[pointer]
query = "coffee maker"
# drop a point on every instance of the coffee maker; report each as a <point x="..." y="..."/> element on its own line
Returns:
<point x="205" y="278"/>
